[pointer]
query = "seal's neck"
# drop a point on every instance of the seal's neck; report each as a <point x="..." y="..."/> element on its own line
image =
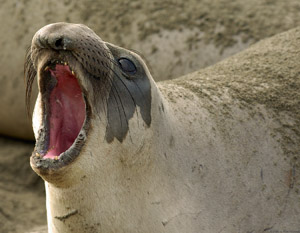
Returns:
<point x="114" y="183"/>
<point x="111" y="200"/>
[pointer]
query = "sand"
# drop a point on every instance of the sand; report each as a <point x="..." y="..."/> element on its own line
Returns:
<point x="22" y="197"/>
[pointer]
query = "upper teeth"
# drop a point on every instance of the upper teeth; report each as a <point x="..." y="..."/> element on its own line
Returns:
<point x="61" y="62"/>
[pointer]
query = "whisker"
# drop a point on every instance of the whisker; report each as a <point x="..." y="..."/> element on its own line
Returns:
<point x="29" y="76"/>
<point x="95" y="78"/>
<point x="113" y="85"/>
<point x="120" y="117"/>
<point x="79" y="59"/>
<point x="132" y="98"/>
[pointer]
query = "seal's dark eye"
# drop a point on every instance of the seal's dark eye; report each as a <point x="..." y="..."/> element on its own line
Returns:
<point x="127" y="65"/>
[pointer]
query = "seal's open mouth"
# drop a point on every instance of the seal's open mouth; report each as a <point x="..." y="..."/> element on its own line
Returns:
<point x="66" y="110"/>
<point x="64" y="116"/>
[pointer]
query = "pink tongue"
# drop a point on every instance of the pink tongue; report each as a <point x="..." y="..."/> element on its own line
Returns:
<point x="67" y="111"/>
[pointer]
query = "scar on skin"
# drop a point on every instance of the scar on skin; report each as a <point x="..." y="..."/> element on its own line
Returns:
<point x="64" y="217"/>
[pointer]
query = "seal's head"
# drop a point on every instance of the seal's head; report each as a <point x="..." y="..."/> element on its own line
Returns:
<point x="87" y="89"/>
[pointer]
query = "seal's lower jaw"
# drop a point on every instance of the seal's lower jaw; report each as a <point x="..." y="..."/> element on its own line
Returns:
<point x="65" y="119"/>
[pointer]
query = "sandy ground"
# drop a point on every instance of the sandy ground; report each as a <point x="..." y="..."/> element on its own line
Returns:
<point x="175" y="37"/>
<point x="22" y="204"/>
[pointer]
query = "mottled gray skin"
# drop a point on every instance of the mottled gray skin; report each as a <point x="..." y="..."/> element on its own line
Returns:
<point x="216" y="151"/>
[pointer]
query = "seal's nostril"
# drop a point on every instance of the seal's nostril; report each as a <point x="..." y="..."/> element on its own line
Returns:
<point x="59" y="43"/>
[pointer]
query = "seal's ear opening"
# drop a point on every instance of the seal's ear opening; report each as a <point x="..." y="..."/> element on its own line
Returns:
<point x="67" y="110"/>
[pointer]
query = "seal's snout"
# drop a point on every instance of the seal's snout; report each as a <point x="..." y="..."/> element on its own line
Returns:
<point x="54" y="36"/>
<point x="53" y="41"/>
<point x="57" y="42"/>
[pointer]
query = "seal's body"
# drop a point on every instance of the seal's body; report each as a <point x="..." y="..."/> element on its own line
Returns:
<point x="120" y="153"/>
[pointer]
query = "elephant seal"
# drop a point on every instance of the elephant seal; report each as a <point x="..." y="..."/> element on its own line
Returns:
<point x="217" y="151"/>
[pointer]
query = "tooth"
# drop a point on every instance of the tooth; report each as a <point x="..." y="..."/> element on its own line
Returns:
<point x="56" y="157"/>
<point x="73" y="73"/>
<point x="37" y="154"/>
<point x="46" y="68"/>
<point x="57" y="62"/>
<point x="66" y="63"/>
<point x="51" y="148"/>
